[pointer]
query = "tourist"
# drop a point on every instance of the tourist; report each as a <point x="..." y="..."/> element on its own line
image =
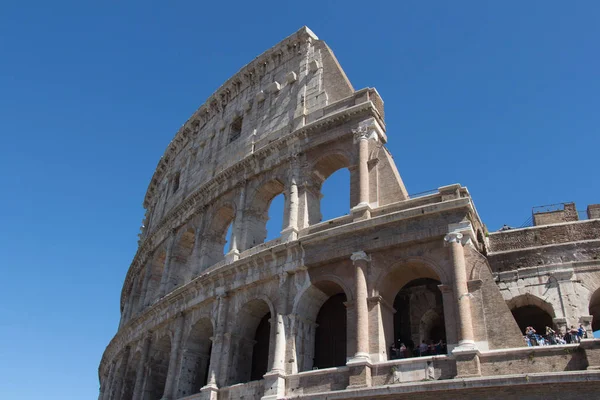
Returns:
<point x="403" y="351"/>
<point x="423" y="348"/>
<point x="580" y="332"/>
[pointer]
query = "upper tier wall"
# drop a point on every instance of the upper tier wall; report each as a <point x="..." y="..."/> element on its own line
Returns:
<point x="268" y="98"/>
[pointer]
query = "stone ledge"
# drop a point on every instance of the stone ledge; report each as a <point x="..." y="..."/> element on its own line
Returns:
<point x="459" y="384"/>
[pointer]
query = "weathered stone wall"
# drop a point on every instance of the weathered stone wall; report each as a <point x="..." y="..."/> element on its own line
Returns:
<point x="200" y="321"/>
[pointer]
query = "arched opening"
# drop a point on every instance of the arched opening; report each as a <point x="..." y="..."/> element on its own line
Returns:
<point x="129" y="380"/>
<point x="595" y="310"/>
<point x="532" y="316"/>
<point x="251" y="353"/>
<point x="156" y="272"/>
<point x="218" y="235"/>
<point x="321" y="332"/>
<point x="330" y="335"/>
<point x="196" y="358"/>
<point x="333" y="197"/>
<point x="419" y="318"/>
<point x="275" y="217"/>
<point x="260" y="353"/>
<point x="181" y="268"/>
<point x="529" y="310"/>
<point x="227" y="244"/>
<point x="158" y="367"/>
<point x="417" y="312"/>
<point x="264" y="214"/>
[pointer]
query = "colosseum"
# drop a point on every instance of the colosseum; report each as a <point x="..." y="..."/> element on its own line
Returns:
<point x="403" y="296"/>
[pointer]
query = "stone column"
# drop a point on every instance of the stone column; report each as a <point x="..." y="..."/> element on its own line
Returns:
<point x="363" y="170"/>
<point x="360" y="261"/>
<point x="109" y="380"/>
<point x="360" y="364"/>
<point x="236" y="234"/>
<point x="138" y="390"/>
<point x="172" y="372"/>
<point x="142" y="300"/>
<point x="463" y="298"/>
<point x="196" y="256"/>
<point x="291" y="230"/>
<point x="166" y="270"/>
<point x="215" y="377"/>
<point x="119" y="379"/>
<point x="275" y="378"/>
<point x="466" y="354"/>
<point x="366" y="130"/>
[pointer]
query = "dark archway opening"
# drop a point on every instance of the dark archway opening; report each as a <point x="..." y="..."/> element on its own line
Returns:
<point x="330" y="335"/>
<point x="159" y="367"/>
<point x="196" y="359"/>
<point x="534" y="316"/>
<point x="260" y="353"/>
<point x="419" y="317"/>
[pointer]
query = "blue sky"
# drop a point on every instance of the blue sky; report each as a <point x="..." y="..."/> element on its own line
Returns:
<point x="499" y="96"/>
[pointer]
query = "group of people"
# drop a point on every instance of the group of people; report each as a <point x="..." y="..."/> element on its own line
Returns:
<point x="572" y="335"/>
<point x="424" y="349"/>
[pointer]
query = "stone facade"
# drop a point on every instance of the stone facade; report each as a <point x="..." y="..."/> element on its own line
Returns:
<point x="313" y="313"/>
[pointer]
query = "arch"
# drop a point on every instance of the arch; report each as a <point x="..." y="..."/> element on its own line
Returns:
<point x="411" y="286"/>
<point x="196" y="358"/>
<point x="530" y="310"/>
<point x="405" y="270"/>
<point x="214" y="235"/>
<point x="256" y="213"/>
<point x="130" y="374"/>
<point x="252" y="341"/>
<point x="322" y="169"/>
<point x="321" y="318"/>
<point x="594" y="310"/>
<point x="419" y="314"/>
<point x="158" y="367"/>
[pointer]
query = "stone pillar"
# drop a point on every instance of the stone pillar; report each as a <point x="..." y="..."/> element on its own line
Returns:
<point x="291" y="230"/>
<point x="360" y="364"/>
<point x="172" y="372"/>
<point x="275" y="378"/>
<point x="197" y="252"/>
<point x="142" y="300"/>
<point x="138" y="390"/>
<point x="236" y="234"/>
<point x="363" y="170"/>
<point x="466" y="354"/>
<point x="462" y="296"/>
<point x="360" y="261"/>
<point x="109" y="381"/>
<point x="120" y="378"/>
<point x="214" y="368"/>
<point x="166" y="271"/>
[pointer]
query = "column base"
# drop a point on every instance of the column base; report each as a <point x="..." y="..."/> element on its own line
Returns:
<point x="209" y="392"/>
<point x="289" y="234"/>
<point x="361" y="211"/>
<point x="467" y="362"/>
<point x="232" y="256"/>
<point x="274" y="385"/>
<point x="359" y="371"/>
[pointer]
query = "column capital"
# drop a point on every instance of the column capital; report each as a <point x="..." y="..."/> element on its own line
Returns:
<point x="457" y="237"/>
<point x="368" y="129"/>
<point x="360" y="256"/>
